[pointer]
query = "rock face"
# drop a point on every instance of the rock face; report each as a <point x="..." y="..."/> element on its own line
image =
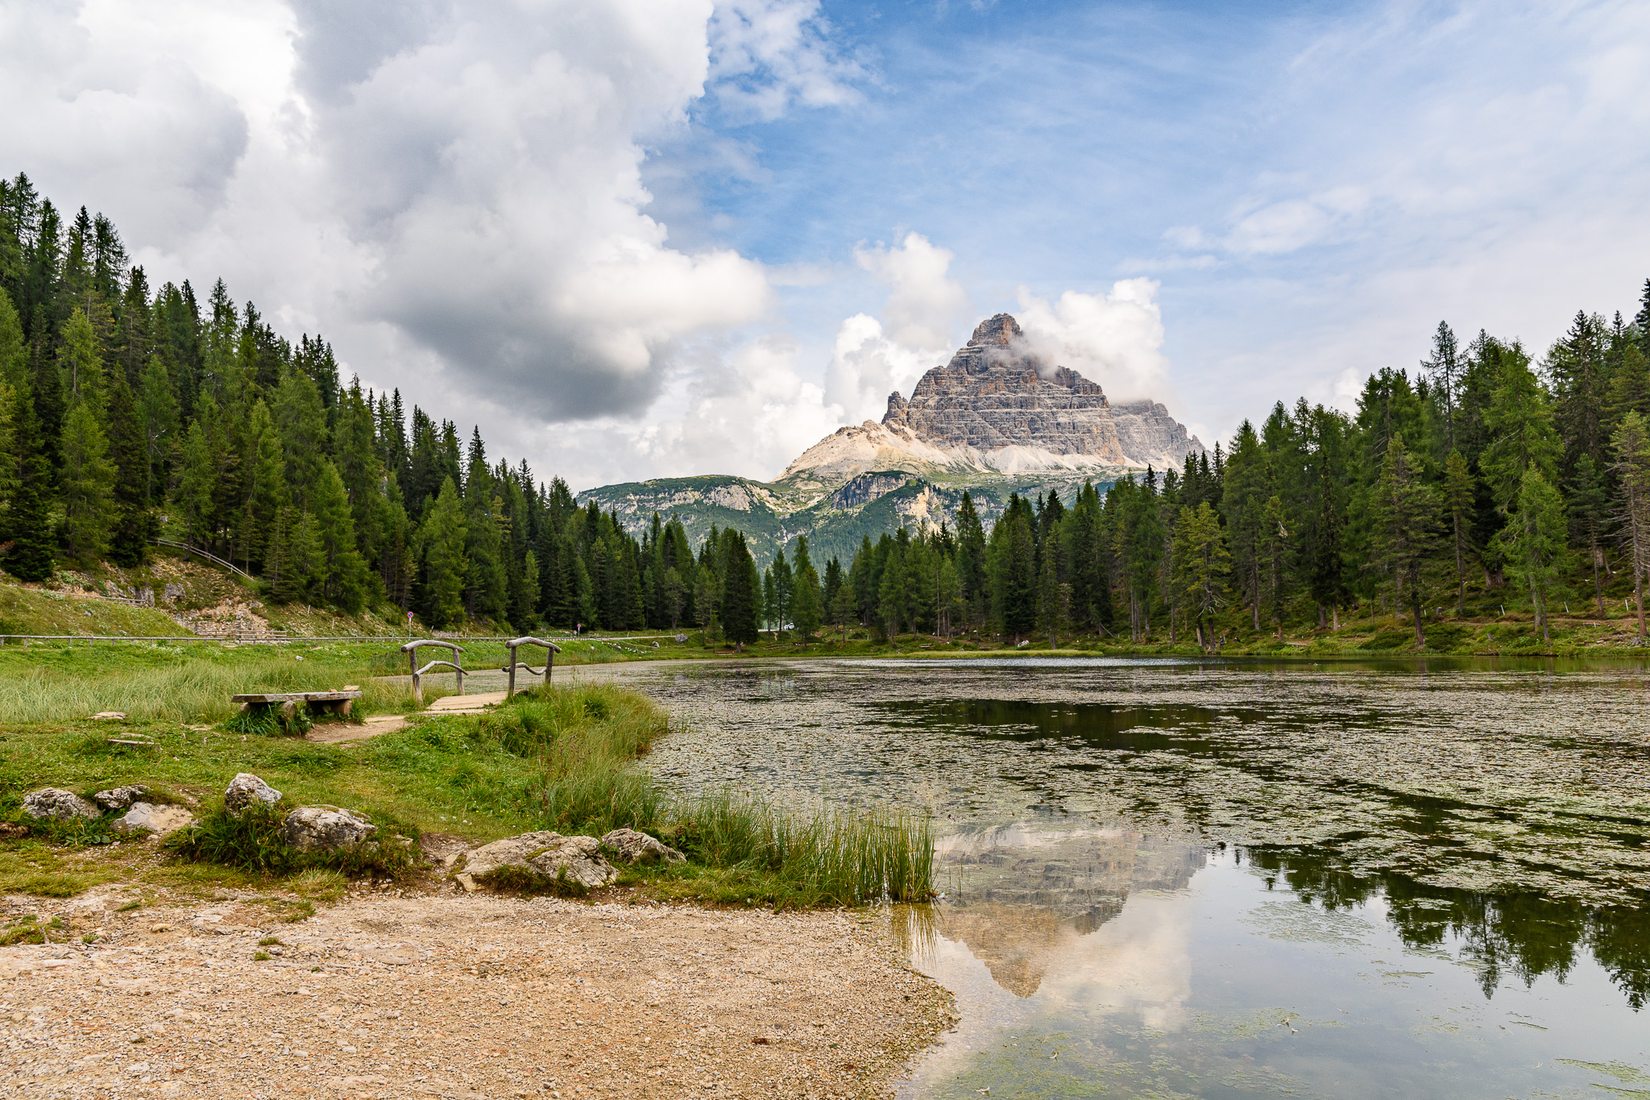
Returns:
<point x="146" y="817"/>
<point x="995" y="395"/>
<point x="56" y="804"/>
<point x="247" y="790"/>
<point x="542" y="861"/>
<point x="325" y="828"/>
<point x="631" y="846"/>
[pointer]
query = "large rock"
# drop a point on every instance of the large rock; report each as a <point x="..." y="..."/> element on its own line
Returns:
<point x="325" y="828"/>
<point x="538" y="862"/>
<point x="247" y="790"/>
<point x="147" y="817"/>
<point x="55" y="804"/>
<point x="631" y="846"/>
<point x="121" y="798"/>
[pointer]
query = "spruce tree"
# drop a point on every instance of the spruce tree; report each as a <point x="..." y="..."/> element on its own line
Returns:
<point x="440" y="542"/>
<point x="27" y="546"/>
<point x="740" y="589"/>
<point x="1631" y="445"/>
<point x="807" y="602"/>
<point x="134" y="525"/>
<point x="1405" y="517"/>
<point x="1201" y="566"/>
<point x="87" y="486"/>
<point x="1533" y="546"/>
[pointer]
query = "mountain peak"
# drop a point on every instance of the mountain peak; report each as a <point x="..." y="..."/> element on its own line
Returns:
<point x="1001" y="330"/>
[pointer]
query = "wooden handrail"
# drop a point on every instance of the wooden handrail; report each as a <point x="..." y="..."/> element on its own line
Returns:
<point x="411" y="650"/>
<point x="550" y="651"/>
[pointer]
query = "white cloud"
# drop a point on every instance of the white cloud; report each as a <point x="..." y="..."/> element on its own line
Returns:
<point x="771" y="54"/>
<point x="923" y="320"/>
<point x="1114" y="338"/>
<point x="451" y="192"/>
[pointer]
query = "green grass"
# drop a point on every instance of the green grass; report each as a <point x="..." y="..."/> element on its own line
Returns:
<point x="183" y="682"/>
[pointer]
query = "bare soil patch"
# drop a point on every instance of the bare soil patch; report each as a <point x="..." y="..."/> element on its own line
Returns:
<point x="442" y="996"/>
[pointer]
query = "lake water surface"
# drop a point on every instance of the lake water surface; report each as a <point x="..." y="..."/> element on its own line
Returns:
<point x="1186" y="878"/>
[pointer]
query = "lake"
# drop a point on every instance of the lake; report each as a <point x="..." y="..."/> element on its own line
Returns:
<point x="1228" y="878"/>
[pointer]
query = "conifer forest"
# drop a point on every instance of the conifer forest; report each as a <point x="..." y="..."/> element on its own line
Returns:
<point x="1488" y="476"/>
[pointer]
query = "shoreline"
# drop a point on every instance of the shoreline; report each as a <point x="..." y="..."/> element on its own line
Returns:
<point x="398" y="994"/>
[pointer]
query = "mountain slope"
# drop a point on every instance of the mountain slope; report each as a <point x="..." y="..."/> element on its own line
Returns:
<point x="994" y="420"/>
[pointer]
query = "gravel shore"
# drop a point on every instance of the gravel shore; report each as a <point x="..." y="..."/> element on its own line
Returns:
<point x="448" y="996"/>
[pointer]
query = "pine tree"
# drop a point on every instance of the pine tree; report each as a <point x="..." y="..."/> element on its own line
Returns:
<point x="88" y="486"/>
<point x="1405" y="515"/>
<point x="344" y="584"/>
<point x="134" y="525"/>
<point x="971" y="559"/>
<point x="807" y="605"/>
<point x="1459" y="492"/>
<point x="440" y="546"/>
<point x="740" y="589"/>
<point x="28" y="543"/>
<point x="1201" y="566"/>
<point x="1631" y="445"/>
<point x="1533" y="543"/>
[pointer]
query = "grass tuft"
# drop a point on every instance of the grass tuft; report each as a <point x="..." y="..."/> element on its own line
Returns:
<point x="252" y="841"/>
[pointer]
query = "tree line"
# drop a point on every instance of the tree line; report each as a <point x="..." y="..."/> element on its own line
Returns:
<point x="1482" y="479"/>
<point x="129" y="412"/>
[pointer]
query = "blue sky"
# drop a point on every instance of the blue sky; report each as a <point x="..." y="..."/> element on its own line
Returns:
<point x="653" y="237"/>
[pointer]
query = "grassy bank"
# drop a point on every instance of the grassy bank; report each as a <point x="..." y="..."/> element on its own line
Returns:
<point x="563" y="759"/>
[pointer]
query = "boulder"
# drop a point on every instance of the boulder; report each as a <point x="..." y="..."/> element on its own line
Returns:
<point x="325" y="828"/>
<point x="541" y="862"/>
<point x="55" y="804"/>
<point x="247" y="790"/>
<point x="631" y="846"/>
<point x="121" y="798"/>
<point x="146" y="817"/>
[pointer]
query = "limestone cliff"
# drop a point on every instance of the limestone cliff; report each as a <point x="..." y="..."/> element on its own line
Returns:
<point x="997" y="407"/>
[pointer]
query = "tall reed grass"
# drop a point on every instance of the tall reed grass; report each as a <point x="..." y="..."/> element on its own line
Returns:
<point x="585" y="741"/>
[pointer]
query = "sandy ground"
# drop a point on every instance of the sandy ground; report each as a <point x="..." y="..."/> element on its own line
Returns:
<point x="458" y="996"/>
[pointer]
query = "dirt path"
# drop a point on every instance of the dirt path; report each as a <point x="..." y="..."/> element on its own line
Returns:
<point x="340" y="733"/>
<point x="444" y="996"/>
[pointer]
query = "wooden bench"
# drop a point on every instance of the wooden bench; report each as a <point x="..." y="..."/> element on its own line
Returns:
<point x="336" y="703"/>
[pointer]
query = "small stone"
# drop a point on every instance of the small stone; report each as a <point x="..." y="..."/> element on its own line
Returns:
<point x="55" y="804"/>
<point x="247" y="790"/>
<point x="632" y="846"/>
<point x="325" y="828"/>
<point x="109" y="716"/>
<point x="121" y="798"/>
<point x="146" y="817"/>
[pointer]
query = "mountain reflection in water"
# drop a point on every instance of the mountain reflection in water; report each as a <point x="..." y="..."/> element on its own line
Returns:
<point x="1185" y="879"/>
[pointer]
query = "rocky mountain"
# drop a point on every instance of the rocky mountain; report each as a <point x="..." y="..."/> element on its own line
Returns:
<point x="996" y="419"/>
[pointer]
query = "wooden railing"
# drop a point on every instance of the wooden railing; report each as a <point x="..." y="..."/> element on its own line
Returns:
<point x="550" y="651"/>
<point x="411" y="650"/>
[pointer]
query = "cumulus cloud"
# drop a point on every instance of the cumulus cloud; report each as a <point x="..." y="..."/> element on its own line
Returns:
<point x="924" y="318"/>
<point x="452" y="191"/>
<point x="1114" y="338"/>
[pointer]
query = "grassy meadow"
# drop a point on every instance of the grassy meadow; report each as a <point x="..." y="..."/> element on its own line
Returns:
<point x="569" y="758"/>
